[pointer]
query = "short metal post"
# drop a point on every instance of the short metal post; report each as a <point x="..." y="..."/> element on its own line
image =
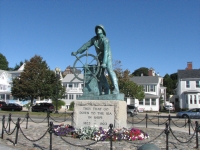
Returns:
<point x="169" y="119"/>
<point x="72" y="121"/>
<point x="167" y="136"/>
<point x="189" y="122"/>
<point x="27" y="116"/>
<point x="132" y="119"/>
<point x="50" y="132"/>
<point x="9" y="120"/>
<point x="185" y="122"/>
<point x="3" y="124"/>
<point x="65" y="114"/>
<point x="146" y="119"/>
<point x="197" y="130"/>
<point x="48" y="116"/>
<point x="111" y="134"/>
<point x="158" y="119"/>
<point x="18" y="126"/>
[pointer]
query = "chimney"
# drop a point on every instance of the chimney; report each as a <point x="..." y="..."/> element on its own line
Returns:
<point x="189" y="66"/>
<point x="151" y="70"/>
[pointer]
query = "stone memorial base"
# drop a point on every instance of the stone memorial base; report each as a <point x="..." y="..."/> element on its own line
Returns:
<point x="100" y="113"/>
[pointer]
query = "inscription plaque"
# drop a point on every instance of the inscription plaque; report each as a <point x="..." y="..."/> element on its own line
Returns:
<point x="100" y="116"/>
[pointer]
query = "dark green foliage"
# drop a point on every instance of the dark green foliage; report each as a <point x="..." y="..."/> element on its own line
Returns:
<point x="3" y="62"/>
<point x="170" y="82"/>
<point x="129" y="88"/>
<point x="140" y="71"/>
<point x="37" y="80"/>
<point x="71" y="106"/>
<point x="59" y="104"/>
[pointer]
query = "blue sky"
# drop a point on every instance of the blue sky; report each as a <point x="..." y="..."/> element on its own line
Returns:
<point x="162" y="34"/>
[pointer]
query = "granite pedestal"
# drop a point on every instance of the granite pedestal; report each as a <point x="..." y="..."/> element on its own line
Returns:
<point x="100" y="113"/>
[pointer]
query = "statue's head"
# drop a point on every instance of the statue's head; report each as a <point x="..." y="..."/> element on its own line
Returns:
<point x="101" y="27"/>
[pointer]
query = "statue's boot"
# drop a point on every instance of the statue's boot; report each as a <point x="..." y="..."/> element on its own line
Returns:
<point x="116" y="87"/>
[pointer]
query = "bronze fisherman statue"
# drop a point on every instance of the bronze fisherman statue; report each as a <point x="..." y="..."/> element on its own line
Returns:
<point x="103" y="51"/>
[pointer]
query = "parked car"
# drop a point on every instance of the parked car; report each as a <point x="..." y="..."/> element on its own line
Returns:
<point x="192" y="113"/>
<point x="2" y="103"/>
<point x="44" y="107"/>
<point x="132" y="109"/>
<point x="168" y="107"/>
<point x="12" y="107"/>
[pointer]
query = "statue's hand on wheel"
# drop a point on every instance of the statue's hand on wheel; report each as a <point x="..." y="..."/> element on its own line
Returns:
<point x="103" y="65"/>
<point x="74" y="53"/>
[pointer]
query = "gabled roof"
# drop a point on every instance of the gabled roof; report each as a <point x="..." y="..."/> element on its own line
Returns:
<point x="145" y="79"/>
<point x="71" y="78"/>
<point x="194" y="73"/>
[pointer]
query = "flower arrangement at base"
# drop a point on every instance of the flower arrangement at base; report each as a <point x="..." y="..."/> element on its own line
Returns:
<point x="100" y="134"/>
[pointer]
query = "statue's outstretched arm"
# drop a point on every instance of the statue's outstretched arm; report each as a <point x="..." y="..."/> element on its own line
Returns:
<point x="85" y="46"/>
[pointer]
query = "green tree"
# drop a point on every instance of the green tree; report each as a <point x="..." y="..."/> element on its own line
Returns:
<point x="140" y="71"/>
<point x="168" y="82"/>
<point x="3" y="62"/>
<point x="126" y="86"/>
<point x="60" y="103"/>
<point x="37" y="80"/>
<point x="71" y="106"/>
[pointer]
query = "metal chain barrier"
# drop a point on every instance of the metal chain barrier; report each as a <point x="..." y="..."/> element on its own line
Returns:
<point x="37" y="122"/>
<point x="158" y="123"/>
<point x="6" y="125"/>
<point x="136" y="122"/>
<point x="57" y="121"/>
<point x="153" y="118"/>
<point x="13" y="122"/>
<point x="178" y="139"/>
<point x="10" y="133"/>
<point x="31" y="139"/>
<point x="139" y="118"/>
<point x="179" y="126"/>
<point x="58" y="116"/>
<point x="22" y="121"/>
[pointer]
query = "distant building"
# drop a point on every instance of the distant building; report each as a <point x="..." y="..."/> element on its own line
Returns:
<point x="73" y="88"/>
<point x="188" y="88"/>
<point x="153" y="89"/>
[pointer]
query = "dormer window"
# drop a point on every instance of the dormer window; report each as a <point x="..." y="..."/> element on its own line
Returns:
<point x="187" y="84"/>
<point x="197" y="84"/>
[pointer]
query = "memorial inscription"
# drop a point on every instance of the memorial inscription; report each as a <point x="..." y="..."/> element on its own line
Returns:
<point x="100" y="116"/>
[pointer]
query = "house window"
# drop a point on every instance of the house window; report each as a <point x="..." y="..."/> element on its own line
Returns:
<point x="144" y="88"/>
<point x="147" y="101"/>
<point x="76" y="85"/>
<point x="190" y="99"/>
<point x="195" y="99"/>
<point x="66" y="96"/>
<point x="197" y="84"/>
<point x="70" y="85"/>
<point x="187" y="84"/>
<point x="152" y="88"/>
<point x="153" y="101"/>
<point x="71" y="96"/>
<point x="141" y="102"/>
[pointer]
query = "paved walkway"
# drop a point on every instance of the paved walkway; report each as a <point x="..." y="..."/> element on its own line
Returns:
<point x="35" y="131"/>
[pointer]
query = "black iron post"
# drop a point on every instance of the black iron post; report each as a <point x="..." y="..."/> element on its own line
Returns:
<point x="50" y="132"/>
<point x="197" y="130"/>
<point x="146" y="119"/>
<point x="158" y="119"/>
<point x="111" y="134"/>
<point x="27" y="116"/>
<point x="9" y="120"/>
<point x="189" y="122"/>
<point x="18" y="126"/>
<point x="48" y="116"/>
<point x="167" y="136"/>
<point x="169" y="119"/>
<point x="3" y="124"/>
